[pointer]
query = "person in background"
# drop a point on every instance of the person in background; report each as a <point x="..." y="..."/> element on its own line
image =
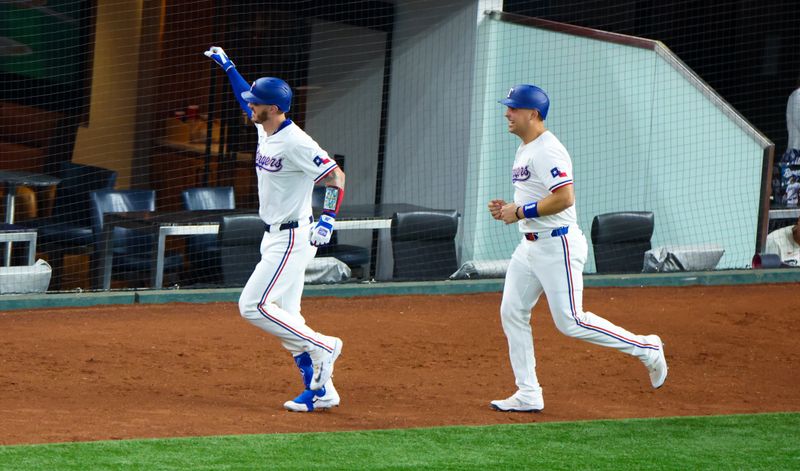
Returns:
<point x="785" y="242"/>
<point x="789" y="164"/>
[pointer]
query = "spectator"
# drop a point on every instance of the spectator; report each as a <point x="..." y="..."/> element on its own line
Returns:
<point x="793" y="119"/>
<point x="789" y="164"/>
<point x="793" y="191"/>
<point x="785" y="243"/>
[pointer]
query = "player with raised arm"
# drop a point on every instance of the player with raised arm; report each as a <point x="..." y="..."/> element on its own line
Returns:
<point x="550" y="255"/>
<point x="288" y="162"/>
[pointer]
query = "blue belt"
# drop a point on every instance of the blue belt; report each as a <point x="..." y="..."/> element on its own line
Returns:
<point x="532" y="236"/>
<point x="287" y="225"/>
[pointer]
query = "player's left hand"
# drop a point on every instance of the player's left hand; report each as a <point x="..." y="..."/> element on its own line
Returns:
<point x="322" y="231"/>
<point x="494" y="208"/>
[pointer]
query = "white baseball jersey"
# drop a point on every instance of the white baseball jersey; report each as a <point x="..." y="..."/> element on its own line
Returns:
<point x="541" y="167"/>
<point x="781" y="242"/>
<point x="288" y="164"/>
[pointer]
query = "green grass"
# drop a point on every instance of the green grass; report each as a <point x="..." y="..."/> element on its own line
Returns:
<point x="748" y="442"/>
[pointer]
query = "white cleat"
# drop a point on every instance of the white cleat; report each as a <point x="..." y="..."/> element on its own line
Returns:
<point x="515" y="404"/>
<point x="323" y="364"/>
<point x="309" y="401"/>
<point x="657" y="369"/>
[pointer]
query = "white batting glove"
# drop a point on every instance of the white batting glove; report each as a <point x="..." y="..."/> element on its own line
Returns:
<point x="322" y="231"/>
<point x="219" y="56"/>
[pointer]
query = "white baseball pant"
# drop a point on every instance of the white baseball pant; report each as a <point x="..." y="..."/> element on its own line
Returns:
<point x="555" y="265"/>
<point x="271" y="298"/>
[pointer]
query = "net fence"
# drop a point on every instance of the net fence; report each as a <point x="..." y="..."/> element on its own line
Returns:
<point x="126" y="161"/>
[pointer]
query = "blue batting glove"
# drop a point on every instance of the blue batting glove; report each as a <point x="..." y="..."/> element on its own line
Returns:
<point x="219" y="56"/>
<point x="322" y="231"/>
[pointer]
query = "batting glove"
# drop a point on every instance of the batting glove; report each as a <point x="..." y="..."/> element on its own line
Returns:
<point x="219" y="56"/>
<point x="321" y="233"/>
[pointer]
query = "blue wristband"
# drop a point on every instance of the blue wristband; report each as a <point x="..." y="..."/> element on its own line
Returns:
<point x="531" y="210"/>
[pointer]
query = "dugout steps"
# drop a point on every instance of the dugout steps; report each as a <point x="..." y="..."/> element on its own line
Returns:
<point x="147" y="296"/>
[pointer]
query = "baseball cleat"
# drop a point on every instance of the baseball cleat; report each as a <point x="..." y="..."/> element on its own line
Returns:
<point x="323" y="364"/>
<point x="658" y="369"/>
<point x="308" y="400"/>
<point x="515" y="404"/>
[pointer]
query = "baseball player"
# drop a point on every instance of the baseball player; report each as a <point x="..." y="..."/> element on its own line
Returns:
<point x="288" y="163"/>
<point x="550" y="256"/>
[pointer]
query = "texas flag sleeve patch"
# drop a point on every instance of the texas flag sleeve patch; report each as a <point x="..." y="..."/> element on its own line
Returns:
<point x="562" y="179"/>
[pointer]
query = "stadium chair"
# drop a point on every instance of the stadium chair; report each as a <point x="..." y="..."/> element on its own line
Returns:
<point x="202" y="251"/>
<point x="68" y="230"/>
<point x="353" y="256"/>
<point x="423" y="245"/>
<point x="239" y="241"/>
<point x="132" y="248"/>
<point x="620" y="240"/>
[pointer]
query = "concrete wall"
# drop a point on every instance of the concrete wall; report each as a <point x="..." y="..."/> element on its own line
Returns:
<point x="345" y="80"/>
<point x="641" y="137"/>
<point x="430" y="102"/>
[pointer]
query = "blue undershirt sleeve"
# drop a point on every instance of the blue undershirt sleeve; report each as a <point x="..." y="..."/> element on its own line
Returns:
<point x="239" y="85"/>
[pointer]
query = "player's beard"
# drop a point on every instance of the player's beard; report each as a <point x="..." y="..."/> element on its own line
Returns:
<point x="261" y="118"/>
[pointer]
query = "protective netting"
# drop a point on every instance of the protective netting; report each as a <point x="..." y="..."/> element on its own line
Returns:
<point x="111" y="107"/>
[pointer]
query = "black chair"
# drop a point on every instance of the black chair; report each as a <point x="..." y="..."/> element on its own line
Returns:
<point x="69" y="228"/>
<point x="423" y="244"/>
<point x="202" y="251"/>
<point x="132" y="248"/>
<point x="353" y="256"/>
<point x="620" y="240"/>
<point x="239" y="241"/>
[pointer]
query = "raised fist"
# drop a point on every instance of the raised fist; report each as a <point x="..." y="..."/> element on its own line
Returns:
<point x="219" y="56"/>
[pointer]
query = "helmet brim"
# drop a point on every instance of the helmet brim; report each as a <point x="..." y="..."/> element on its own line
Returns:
<point x="250" y="98"/>
<point x="509" y="102"/>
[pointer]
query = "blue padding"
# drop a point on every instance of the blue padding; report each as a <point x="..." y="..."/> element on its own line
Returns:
<point x="303" y="362"/>
<point x="531" y="210"/>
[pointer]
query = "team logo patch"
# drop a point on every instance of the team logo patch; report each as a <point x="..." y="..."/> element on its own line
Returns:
<point x="321" y="161"/>
<point x="270" y="164"/>
<point x="520" y="174"/>
<point x="555" y="172"/>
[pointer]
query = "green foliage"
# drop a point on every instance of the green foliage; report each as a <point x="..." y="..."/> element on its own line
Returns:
<point x="752" y="442"/>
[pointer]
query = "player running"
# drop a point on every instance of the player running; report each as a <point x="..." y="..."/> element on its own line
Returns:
<point x="288" y="163"/>
<point x="550" y="255"/>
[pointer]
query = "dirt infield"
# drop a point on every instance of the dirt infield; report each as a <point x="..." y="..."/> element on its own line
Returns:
<point x="409" y="361"/>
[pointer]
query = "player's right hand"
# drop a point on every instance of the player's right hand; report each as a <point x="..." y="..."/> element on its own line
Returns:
<point x="495" y="207"/>
<point x="218" y="55"/>
<point x="322" y="231"/>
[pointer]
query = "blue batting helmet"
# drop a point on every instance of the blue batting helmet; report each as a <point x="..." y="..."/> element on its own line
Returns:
<point x="529" y="97"/>
<point x="270" y="91"/>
